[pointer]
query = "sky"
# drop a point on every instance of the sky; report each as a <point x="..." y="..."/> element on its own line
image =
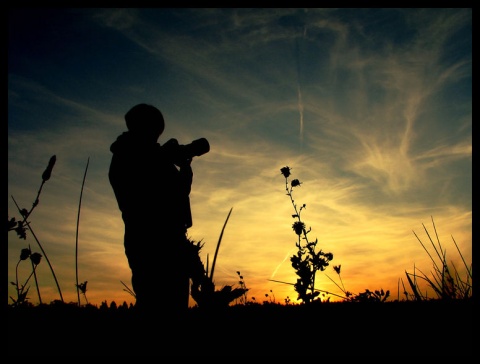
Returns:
<point x="370" y="108"/>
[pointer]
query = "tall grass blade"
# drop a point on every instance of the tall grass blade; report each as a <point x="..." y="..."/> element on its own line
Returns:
<point x="436" y="234"/>
<point x="128" y="289"/>
<point x="207" y="265"/>
<point x="469" y="271"/>
<point x="404" y="289"/>
<point x="413" y="287"/>
<point x="433" y="244"/>
<point x="398" y="290"/>
<point x="76" y="233"/>
<point x="436" y="286"/>
<point x="218" y="244"/>
<point x="426" y="250"/>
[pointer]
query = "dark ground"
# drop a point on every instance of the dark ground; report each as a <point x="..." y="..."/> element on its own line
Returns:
<point x="372" y="330"/>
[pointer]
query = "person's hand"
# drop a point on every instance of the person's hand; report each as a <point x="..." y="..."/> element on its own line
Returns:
<point x="185" y="163"/>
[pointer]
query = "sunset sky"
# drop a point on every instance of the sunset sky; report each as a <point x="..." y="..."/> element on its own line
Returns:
<point x="370" y="108"/>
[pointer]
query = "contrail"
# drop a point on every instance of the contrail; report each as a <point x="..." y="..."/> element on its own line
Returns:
<point x="299" y="89"/>
<point x="300" y="110"/>
<point x="278" y="266"/>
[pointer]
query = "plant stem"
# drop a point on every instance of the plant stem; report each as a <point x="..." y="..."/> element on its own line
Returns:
<point x="16" y="280"/>
<point x="342" y="289"/>
<point x="76" y="234"/>
<point x="218" y="244"/>
<point x="316" y="289"/>
<point x="463" y="260"/>
<point x="35" y="276"/>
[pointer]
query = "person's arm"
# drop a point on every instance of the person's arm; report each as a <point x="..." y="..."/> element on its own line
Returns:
<point x="186" y="176"/>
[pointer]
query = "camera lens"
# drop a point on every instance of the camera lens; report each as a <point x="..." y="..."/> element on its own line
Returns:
<point x="200" y="147"/>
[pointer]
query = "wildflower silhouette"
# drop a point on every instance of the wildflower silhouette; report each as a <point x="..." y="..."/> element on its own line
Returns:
<point x="308" y="261"/>
<point x="82" y="287"/>
<point x="337" y="269"/>
<point x="366" y="296"/>
<point x="22" y="289"/>
<point x="21" y="226"/>
<point x="270" y="299"/>
<point x="243" y="286"/>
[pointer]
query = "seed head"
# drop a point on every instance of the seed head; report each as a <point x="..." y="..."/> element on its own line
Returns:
<point x="48" y="171"/>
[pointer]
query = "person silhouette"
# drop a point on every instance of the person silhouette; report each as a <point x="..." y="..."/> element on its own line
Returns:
<point x="152" y="191"/>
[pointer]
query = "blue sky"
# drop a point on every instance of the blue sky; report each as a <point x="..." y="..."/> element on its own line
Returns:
<point x="371" y="108"/>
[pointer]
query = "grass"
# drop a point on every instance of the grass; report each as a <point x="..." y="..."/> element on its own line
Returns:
<point x="445" y="280"/>
<point x="203" y="283"/>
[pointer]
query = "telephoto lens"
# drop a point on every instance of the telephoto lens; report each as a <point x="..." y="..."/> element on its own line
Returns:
<point x="179" y="153"/>
<point x="198" y="147"/>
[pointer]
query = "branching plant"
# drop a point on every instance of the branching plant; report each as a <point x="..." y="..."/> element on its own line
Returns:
<point x="21" y="226"/>
<point x="22" y="289"/>
<point x="308" y="261"/>
<point x="243" y="286"/>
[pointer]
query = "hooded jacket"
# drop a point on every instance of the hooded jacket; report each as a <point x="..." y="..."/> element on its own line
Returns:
<point x="149" y="188"/>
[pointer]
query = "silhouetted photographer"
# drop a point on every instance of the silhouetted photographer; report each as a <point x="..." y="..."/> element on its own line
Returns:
<point x="152" y="184"/>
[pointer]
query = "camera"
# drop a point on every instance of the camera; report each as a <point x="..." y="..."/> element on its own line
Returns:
<point x="179" y="153"/>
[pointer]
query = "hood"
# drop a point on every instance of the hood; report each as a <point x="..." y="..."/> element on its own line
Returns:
<point x="126" y="142"/>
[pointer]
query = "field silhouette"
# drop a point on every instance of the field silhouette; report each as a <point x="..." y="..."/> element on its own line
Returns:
<point x="337" y="329"/>
<point x="362" y="325"/>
